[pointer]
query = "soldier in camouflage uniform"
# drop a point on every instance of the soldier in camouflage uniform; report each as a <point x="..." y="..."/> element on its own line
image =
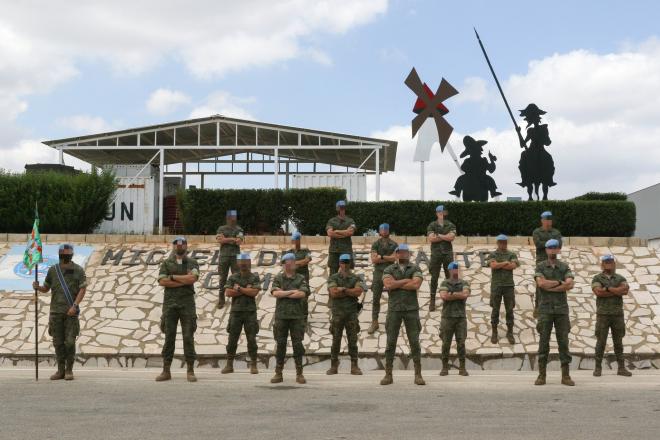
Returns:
<point x="441" y="233"/>
<point x="610" y="287"/>
<point x="540" y="236"/>
<point x="290" y="289"/>
<point x="502" y="263"/>
<point x="230" y="236"/>
<point x="63" y="324"/>
<point x="344" y="288"/>
<point x="554" y="279"/>
<point x="242" y="287"/>
<point x="178" y="274"/>
<point x="340" y="229"/>
<point x="402" y="281"/>
<point x="454" y="293"/>
<point x="303" y="258"/>
<point x="382" y="255"/>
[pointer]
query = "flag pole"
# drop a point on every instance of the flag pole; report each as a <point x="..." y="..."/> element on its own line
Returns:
<point x="36" y="325"/>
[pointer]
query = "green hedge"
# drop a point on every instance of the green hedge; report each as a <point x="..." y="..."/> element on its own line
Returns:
<point x="602" y="196"/>
<point x="74" y="204"/>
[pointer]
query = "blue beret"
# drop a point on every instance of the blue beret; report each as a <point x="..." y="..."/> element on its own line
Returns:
<point x="296" y="236"/>
<point x="452" y="265"/>
<point x="179" y="240"/>
<point x="345" y="257"/>
<point x="552" y="243"/>
<point x="64" y="246"/>
<point x="243" y="256"/>
<point x="546" y="215"/>
<point x="402" y="247"/>
<point x="384" y="226"/>
<point x="288" y="256"/>
<point x="608" y="257"/>
<point x="440" y="208"/>
<point x="232" y="213"/>
<point x="501" y="237"/>
<point x="340" y="203"/>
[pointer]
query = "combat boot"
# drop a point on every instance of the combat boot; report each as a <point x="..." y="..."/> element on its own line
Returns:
<point x="165" y="375"/>
<point x="622" y="370"/>
<point x="334" y="367"/>
<point x="299" y="375"/>
<point x="565" y="377"/>
<point x="68" y="371"/>
<point x="461" y="368"/>
<point x="598" y="369"/>
<point x="373" y="327"/>
<point x="253" y="367"/>
<point x="419" y="380"/>
<point x="277" y="378"/>
<point x="190" y="373"/>
<point x="387" y="380"/>
<point x="540" y="380"/>
<point x="432" y="304"/>
<point x="494" y="335"/>
<point x="355" y="370"/>
<point x="509" y="334"/>
<point x="445" y="367"/>
<point x="229" y="366"/>
<point x="59" y="374"/>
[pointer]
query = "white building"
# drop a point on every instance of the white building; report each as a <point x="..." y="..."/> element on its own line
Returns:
<point x="647" y="202"/>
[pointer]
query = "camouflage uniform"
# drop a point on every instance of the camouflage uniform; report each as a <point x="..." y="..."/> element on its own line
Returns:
<point x="178" y="305"/>
<point x="540" y="237"/>
<point x="339" y="246"/>
<point x="344" y="315"/>
<point x="383" y="247"/>
<point x="301" y="254"/>
<point x="442" y="252"/>
<point x="228" y="254"/>
<point x="289" y="318"/>
<point x="243" y="315"/>
<point x="64" y="329"/>
<point x="502" y="287"/>
<point x="454" y="321"/>
<point x="609" y="316"/>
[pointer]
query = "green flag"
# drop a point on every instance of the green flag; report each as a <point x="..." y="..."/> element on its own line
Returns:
<point x="32" y="255"/>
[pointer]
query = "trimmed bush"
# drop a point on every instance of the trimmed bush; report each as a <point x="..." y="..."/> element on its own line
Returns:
<point x="73" y="204"/>
<point x="602" y="196"/>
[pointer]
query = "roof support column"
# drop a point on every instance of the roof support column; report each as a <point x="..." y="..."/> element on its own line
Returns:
<point x="277" y="162"/>
<point x="61" y="155"/>
<point x="377" y="174"/>
<point x="161" y="184"/>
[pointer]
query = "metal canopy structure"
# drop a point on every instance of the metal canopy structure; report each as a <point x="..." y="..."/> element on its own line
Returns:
<point x="218" y="145"/>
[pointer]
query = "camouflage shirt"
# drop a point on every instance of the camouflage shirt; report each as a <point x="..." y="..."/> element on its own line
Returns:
<point x="290" y="308"/>
<point x="243" y="303"/>
<point x="540" y="236"/>
<point x="170" y="266"/>
<point x="455" y="308"/>
<point x="502" y="277"/>
<point x="75" y="279"/>
<point x="401" y="300"/>
<point x="610" y="305"/>
<point x="227" y="250"/>
<point x="340" y="245"/>
<point x="553" y="302"/>
<point x="383" y="247"/>
<point x="441" y="247"/>
<point x="301" y="254"/>
<point x="347" y="304"/>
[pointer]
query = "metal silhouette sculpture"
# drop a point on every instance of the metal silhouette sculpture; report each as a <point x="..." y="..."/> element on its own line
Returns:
<point x="476" y="184"/>
<point x="429" y="105"/>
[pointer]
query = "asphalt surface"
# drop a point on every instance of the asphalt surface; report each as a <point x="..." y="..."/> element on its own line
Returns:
<point x="128" y="404"/>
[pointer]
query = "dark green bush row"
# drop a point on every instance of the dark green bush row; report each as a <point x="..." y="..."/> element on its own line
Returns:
<point x="68" y="203"/>
<point x="602" y="196"/>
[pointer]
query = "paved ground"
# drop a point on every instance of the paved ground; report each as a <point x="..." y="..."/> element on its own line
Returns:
<point x="126" y="404"/>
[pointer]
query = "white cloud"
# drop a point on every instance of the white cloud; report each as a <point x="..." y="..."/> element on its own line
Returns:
<point x="165" y="101"/>
<point x="85" y="124"/>
<point x="225" y="104"/>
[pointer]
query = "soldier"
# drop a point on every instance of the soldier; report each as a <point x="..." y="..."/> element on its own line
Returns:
<point x="290" y="289"/>
<point x="242" y="287"/>
<point x="340" y="229"/>
<point x="230" y="236"/>
<point x="540" y="236"/>
<point x="344" y="288"/>
<point x="382" y="255"/>
<point x="303" y="258"/>
<point x="610" y="287"/>
<point x="502" y="263"/>
<point x="402" y="280"/>
<point x="454" y="293"/>
<point x="178" y="274"/>
<point x="554" y="279"/>
<point x="441" y="233"/>
<point x="69" y="284"/>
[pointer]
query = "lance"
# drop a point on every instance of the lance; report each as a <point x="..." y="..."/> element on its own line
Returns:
<point x="499" y="87"/>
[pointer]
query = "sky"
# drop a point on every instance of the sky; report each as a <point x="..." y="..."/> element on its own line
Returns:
<point x="71" y="68"/>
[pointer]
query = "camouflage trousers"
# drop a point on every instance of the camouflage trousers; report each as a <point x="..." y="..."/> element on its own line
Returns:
<point x="239" y="321"/>
<point x="603" y="325"/>
<point x="281" y="330"/>
<point x="377" y="290"/>
<point x="438" y="262"/>
<point x="64" y="330"/>
<point x="453" y="328"/>
<point x="562" y="325"/>
<point x="226" y="263"/>
<point x="410" y="318"/>
<point x="496" y="295"/>
<point x="333" y="262"/>
<point x="349" y="322"/>
<point x="179" y="308"/>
